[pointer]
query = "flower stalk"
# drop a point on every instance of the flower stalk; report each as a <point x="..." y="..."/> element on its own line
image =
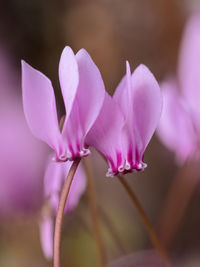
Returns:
<point x="60" y="212"/>
<point x="146" y="221"/>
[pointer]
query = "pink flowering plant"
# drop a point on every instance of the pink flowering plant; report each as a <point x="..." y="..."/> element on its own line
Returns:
<point x="119" y="127"/>
<point x="179" y="126"/>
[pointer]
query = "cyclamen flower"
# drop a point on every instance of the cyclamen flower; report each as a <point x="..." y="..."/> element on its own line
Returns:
<point x="83" y="93"/>
<point x="54" y="179"/>
<point x="179" y="126"/>
<point x="175" y="128"/>
<point x="127" y="121"/>
<point x="20" y="170"/>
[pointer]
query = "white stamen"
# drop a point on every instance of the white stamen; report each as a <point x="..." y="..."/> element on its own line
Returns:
<point x="86" y="152"/>
<point x="109" y="173"/>
<point x="121" y="168"/>
<point x="127" y="166"/>
<point x="144" y="165"/>
<point x="81" y="153"/>
<point x="139" y="166"/>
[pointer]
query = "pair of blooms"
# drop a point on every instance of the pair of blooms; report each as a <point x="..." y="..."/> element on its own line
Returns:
<point x="179" y="126"/>
<point x="120" y="127"/>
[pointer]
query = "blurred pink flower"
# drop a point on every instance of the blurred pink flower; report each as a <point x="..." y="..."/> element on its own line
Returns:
<point x="179" y="126"/>
<point x="21" y="156"/>
<point x="55" y="176"/>
<point x="127" y="121"/>
<point x="83" y="93"/>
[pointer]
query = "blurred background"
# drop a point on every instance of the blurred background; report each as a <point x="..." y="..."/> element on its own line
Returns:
<point x="111" y="31"/>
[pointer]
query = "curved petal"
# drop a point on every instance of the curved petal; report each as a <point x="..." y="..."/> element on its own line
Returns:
<point x="175" y="128"/>
<point x="46" y="236"/>
<point x="189" y="63"/>
<point x="77" y="188"/>
<point x="55" y="176"/>
<point x="40" y="107"/>
<point x="123" y="92"/>
<point x="105" y="135"/>
<point x="147" y="106"/>
<point x="86" y="107"/>
<point x="69" y="78"/>
<point x="91" y="90"/>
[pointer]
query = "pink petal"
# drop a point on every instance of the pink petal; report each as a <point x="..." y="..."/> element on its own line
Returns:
<point x="123" y="93"/>
<point x="124" y="98"/>
<point x="69" y="78"/>
<point x="87" y="104"/>
<point x="147" y="106"/>
<point x="46" y="236"/>
<point x="55" y="175"/>
<point x="175" y="128"/>
<point x="189" y="63"/>
<point x="91" y="90"/>
<point x="105" y="135"/>
<point x="77" y="189"/>
<point x="40" y="107"/>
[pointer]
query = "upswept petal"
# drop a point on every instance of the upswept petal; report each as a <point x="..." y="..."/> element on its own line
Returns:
<point x="86" y="107"/>
<point x="40" y="107"/>
<point x="105" y="135"/>
<point x="175" y="127"/>
<point x="77" y="189"/>
<point x="147" y="106"/>
<point x="91" y="90"/>
<point x="123" y="92"/>
<point x="46" y="236"/>
<point x="189" y="63"/>
<point x="55" y="176"/>
<point x="69" y="78"/>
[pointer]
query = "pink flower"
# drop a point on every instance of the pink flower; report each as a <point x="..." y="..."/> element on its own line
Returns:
<point x="83" y="93"/>
<point x="20" y="170"/>
<point x="179" y="126"/>
<point x="175" y="128"/>
<point x="127" y="121"/>
<point x="55" y="176"/>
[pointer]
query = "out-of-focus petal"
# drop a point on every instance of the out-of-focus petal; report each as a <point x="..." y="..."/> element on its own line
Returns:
<point x="46" y="236"/>
<point x="55" y="175"/>
<point x="40" y="107"/>
<point x="105" y="135"/>
<point x="69" y="78"/>
<point x="77" y="188"/>
<point x="147" y="106"/>
<point x="175" y="127"/>
<point x="189" y="63"/>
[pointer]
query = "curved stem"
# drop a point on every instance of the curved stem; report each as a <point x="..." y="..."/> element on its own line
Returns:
<point x="94" y="212"/>
<point x="145" y="220"/>
<point x="59" y="216"/>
